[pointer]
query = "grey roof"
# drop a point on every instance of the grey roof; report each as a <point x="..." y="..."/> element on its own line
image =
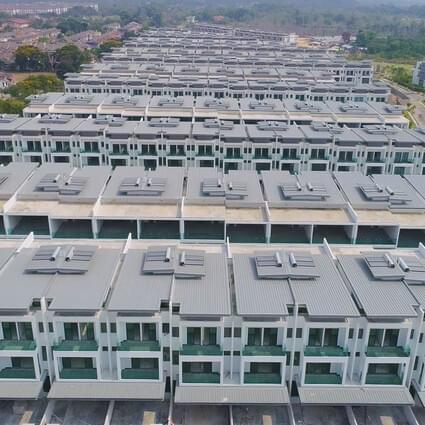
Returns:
<point x="171" y="102"/>
<point x="208" y="295"/>
<point x="379" y="192"/>
<point x="9" y="124"/>
<point x="265" y="106"/>
<point x="231" y="394"/>
<point x="306" y="190"/>
<point x="171" y="179"/>
<point x="395" y="299"/>
<point x="211" y="103"/>
<point x="413" y="267"/>
<point x="138" y="291"/>
<point x="258" y="297"/>
<point x="357" y="108"/>
<point x="87" y="291"/>
<point x="12" y="176"/>
<point x="56" y="172"/>
<point x="107" y="390"/>
<point x="59" y="124"/>
<point x="418" y="183"/>
<point x="355" y="396"/>
<point x="19" y="289"/>
<point x="325" y="295"/>
<point x="244" y="183"/>
<point x="195" y="190"/>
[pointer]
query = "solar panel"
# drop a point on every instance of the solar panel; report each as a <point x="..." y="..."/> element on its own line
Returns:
<point x="308" y="192"/>
<point x="73" y="186"/>
<point x="414" y="269"/>
<point x="270" y="265"/>
<point x="383" y="267"/>
<point x="61" y="260"/>
<point x="190" y="264"/>
<point x="213" y="187"/>
<point x="376" y="193"/>
<point x="236" y="190"/>
<point x="159" y="260"/>
<point x="49" y="183"/>
<point x="143" y="186"/>
<point x="302" y="266"/>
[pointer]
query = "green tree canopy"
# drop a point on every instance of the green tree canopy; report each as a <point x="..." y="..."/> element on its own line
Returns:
<point x="35" y="84"/>
<point x="30" y="59"/>
<point x="12" y="106"/>
<point x="69" y="59"/>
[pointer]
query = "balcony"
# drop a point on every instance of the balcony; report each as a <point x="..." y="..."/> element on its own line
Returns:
<point x="290" y="157"/>
<point x="201" y="350"/>
<point x="319" y="158"/>
<point x="176" y="153"/>
<point x="133" y="373"/>
<point x="322" y="379"/>
<point x="233" y="156"/>
<point x="15" y="345"/>
<point x="201" y="378"/>
<point x="68" y="373"/>
<point x="120" y="153"/>
<point x="262" y="378"/>
<point x="263" y="350"/>
<point x="130" y="345"/>
<point x="61" y="150"/>
<point x="6" y="148"/>
<point x="262" y="157"/>
<point x="375" y="160"/>
<point x="403" y="161"/>
<point x="208" y="154"/>
<point x="327" y="351"/>
<point x="17" y="373"/>
<point x="32" y="149"/>
<point x="347" y="160"/>
<point x="71" y="345"/>
<point x="383" y="379"/>
<point x="92" y="150"/>
<point x="387" y="352"/>
<point x="147" y="153"/>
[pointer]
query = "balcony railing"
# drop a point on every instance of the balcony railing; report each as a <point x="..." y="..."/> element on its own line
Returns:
<point x="134" y="373"/>
<point x="201" y="350"/>
<point x="83" y="373"/>
<point x="32" y="150"/>
<point x="130" y="345"/>
<point x="147" y="153"/>
<point x="383" y="379"/>
<point x="403" y="161"/>
<point x="16" y="345"/>
<point x="17" y="373"/>
<point x="120" y="153"/>
<point x="262" y="378"/>
<point x="201" y="378"/>
<point x="61" y="150"/>
<point x="71" y="345"/>
<point x="92" y="150"/>
<point x="326" y="351"/>
<point x="387" y="352"/>
<point x="322" y="379"/>
<point x="263" y="350"/>
<point x="291" y="157"/>
<point x="348" y="160"/>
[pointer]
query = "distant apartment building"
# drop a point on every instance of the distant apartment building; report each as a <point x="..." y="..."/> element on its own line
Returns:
<point x="419" y="74"/>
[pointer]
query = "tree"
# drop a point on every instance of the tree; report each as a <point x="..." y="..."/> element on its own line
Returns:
<point x="69" y="59"/>
<point x="108" y="45"/>
<point x="12" y="106"/>
<point x="30" y="59"/>
<point x="72" y="26"/>
<point x="35" y="84"/>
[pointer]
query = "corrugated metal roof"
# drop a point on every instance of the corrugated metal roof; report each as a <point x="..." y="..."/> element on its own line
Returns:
<point x="360" y="396"/>
<point x="208" y="295"/>
<point x="378" y="298"/>
<point x="231" y="394"/>
<point x="135" y="291"/>
<point x="259" y="297"/>
<point x="325" y="295"/>
<point x="107" y="390"/>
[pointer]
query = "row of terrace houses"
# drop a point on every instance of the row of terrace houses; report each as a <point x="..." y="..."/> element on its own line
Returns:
<point x="205" y="205"/>
<point x="226" y="325"/>
<point x="213" y="143"/>
<point x="190" y="109"/>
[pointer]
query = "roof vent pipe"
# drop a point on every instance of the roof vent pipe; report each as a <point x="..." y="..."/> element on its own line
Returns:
<point x="390" y="261"/>
<point x="403" y="265"/>
<point x="292" y="260"/>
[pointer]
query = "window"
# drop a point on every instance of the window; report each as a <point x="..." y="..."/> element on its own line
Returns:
<point x="351" y="333"/>
<point x="299" y="333"/>
<point x="175" y="331"/>
<point x="289" y="333"/>
<point x="166" y="355"/>
<point x="113" y="328"/>
<point x="421" y="337"/>
<point x="44" y="353"/>
<point x="175" y="357"/>
<point x="166" y="328"/>
<point x="360" y="333"/>
<point x="296" y="358"/>
<point x="237" y="332"/>
<point x="40" y="327"/>
<point x="103" y="328"/>
<point x="227" y="332"/>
